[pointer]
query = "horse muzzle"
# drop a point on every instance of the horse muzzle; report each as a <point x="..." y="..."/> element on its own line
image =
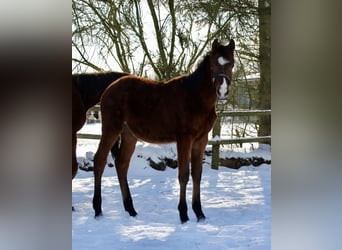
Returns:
<point x="222" y="90"/>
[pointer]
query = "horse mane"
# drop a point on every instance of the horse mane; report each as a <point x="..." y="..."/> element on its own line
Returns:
<point x="90" y="83"/>
<point x="193" y="81"/>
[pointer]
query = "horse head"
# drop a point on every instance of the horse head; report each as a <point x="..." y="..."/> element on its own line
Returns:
<point x="221" y="66"/>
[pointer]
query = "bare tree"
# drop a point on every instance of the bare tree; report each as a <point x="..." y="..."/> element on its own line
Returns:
<point x="162" y="37"/>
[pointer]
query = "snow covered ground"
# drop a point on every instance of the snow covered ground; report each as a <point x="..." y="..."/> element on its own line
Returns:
<point x="237" y="204"/>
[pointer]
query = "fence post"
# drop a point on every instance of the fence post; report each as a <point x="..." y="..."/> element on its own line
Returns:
<point x="215" y="158"/>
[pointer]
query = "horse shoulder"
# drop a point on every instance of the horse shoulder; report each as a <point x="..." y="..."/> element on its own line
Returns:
<point x="208" y="121"/>
<point x="212" y="118"/>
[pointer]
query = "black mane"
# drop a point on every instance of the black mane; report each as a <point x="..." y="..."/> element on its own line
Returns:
<point x="90" y="83"/>
<point x="194" y="80"/>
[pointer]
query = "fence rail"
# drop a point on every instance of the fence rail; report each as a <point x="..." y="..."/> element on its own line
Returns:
<point x="215" y="160"/>
<point x="240" y="140"/>
<point x="245" y="112"/>
<point x="216" y="141"/>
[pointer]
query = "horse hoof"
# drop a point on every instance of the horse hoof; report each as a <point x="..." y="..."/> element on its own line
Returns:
<point x="132" y="213"/>
<point x="184" y="219"/>
<point x="200" y="218"/>
<point x="98" y="215"/>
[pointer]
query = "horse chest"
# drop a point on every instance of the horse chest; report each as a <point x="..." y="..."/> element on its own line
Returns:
<point x="199" y="124"/>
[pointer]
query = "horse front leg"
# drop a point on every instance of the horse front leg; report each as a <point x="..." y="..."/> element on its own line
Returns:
<point x="183" y="150"/>
<point x="196" y="173"/>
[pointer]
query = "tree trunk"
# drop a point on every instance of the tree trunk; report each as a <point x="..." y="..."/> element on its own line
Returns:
<point x="265" y="65"/>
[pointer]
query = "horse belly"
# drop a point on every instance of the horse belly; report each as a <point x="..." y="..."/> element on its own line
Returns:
<point x="153" y="127"/>
<point x="155" y="138"/>
<point x="152" y="118"/>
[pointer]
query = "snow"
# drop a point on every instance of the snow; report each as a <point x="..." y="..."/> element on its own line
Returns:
<point x="237" y="204"/>
<point x="91" y="128"/>
<point x="216" y="138"/>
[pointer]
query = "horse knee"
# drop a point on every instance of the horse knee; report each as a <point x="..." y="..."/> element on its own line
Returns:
<point x="183" y="178"/>
<point x="196" y="177"/>
<point x="99" y="159"/>
<point x="74" y="172"/>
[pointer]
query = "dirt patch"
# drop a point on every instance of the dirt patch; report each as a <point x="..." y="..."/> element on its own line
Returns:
<point x="232" y="162"/>
<point x="236" y="163"/>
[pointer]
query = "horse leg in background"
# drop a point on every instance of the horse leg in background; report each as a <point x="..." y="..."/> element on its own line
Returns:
<point x="78" y="120"/>
<point x="100" y="159"/>
<point x="74" y="160"/>
<point x="115" y="149"/>
<point x="197" y="151"/>
<point x="122" y="160"/>
<point x="183" y="151"/>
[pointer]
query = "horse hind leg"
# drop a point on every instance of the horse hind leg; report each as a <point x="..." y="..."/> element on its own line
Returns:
<point x="109" y="136"/>
<point x="183" y="150"/>
<point x="122" y="160"/>
<point x="74" y="160"/>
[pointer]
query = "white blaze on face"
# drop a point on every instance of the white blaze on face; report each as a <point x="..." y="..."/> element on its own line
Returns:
<point x="222" y="61"/>
<point x="223" y="88"/>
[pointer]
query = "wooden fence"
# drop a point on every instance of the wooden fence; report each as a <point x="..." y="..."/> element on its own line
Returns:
<point x="216" y="141"/>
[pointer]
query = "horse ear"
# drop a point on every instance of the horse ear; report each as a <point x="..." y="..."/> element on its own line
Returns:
<point x="215" y="44"/>
<point x="231" y="44"/>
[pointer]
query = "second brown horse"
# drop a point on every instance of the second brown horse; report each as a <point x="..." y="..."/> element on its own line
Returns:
<point x="181" y="110"/>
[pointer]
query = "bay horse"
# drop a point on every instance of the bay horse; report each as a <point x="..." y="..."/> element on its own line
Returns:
<point x="87" y="89"/>
<point x="181" y="110"/>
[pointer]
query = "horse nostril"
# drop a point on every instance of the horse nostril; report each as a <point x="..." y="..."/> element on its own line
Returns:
<point x="222" y="94"/>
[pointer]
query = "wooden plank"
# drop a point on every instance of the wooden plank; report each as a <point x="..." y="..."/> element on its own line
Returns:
<point x="245" y="112"/>
<point x="215" y="159"/>
<point x="216" y="143"/>
<point x="95" y="108"/>
<point x="240" y="140"/>
<point x="88" y="136"/>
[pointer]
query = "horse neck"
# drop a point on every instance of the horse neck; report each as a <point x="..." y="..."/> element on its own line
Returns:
<point x="204" y="88"/>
